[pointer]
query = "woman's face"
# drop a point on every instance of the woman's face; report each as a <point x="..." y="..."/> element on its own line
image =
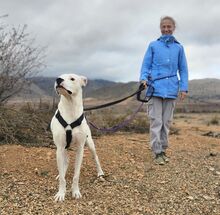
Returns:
<point x="167" y="27"/>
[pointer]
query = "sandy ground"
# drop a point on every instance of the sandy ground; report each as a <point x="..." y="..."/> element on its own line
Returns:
<point x="188" y="184"/>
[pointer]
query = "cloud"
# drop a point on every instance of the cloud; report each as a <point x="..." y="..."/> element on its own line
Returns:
<point x="108" y="39"/>
<point x="201" y="64"/>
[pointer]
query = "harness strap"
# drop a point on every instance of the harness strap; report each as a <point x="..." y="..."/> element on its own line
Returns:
<point x="61" y="120"/>
<point x="68" y="138"/>
<point x="77" y="122"/>
<point x="72" y="125"/>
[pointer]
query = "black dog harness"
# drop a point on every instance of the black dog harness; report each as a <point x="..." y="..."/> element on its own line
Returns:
<point x="72" y="125"/>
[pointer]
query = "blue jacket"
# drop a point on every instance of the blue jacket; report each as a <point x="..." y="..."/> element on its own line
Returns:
<point x="165" y="67"/>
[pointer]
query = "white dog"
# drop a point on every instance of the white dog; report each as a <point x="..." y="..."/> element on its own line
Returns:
<point x="69" y="126"/>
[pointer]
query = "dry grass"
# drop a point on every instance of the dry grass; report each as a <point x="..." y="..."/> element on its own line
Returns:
<point x="214" y="120"/>
<point x="26" y="126"/>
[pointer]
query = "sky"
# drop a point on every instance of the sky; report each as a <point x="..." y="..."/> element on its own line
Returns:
<point x="107" y="39"/>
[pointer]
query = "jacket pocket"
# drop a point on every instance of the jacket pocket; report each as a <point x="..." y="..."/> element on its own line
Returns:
<point x="173" y="87"/>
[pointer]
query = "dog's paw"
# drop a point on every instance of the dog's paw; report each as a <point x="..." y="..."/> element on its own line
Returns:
<point x="76" y="194"/>
<point x="101" y="177"/>
<point x="101" y="173"/>
<point x="60" y="196"/>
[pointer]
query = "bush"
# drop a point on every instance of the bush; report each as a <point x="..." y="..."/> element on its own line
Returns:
<point x="25" y="126"/>
<point x="106" y="119"/>
<point x="214" y="121"/>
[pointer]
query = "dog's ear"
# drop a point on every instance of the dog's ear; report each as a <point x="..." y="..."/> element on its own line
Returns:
<point x="83" y="81"/>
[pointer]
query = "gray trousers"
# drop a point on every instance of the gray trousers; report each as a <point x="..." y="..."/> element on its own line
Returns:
<point x="160" y="113"/>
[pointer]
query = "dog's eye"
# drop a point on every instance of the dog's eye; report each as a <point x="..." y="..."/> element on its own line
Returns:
<point x="72" y="79"/>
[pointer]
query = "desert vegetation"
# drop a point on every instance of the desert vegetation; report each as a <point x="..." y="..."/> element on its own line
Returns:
<point x="28" y="124"/>
<point x="215" y="120"/>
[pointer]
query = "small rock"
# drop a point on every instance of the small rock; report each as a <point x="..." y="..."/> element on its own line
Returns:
<point x="207" y="197"/>
<point x="190" y="197"/>
<point x="20" y="183"/>
<point x="212" y="169"/>
<point x="162" y="182"/>
<point x="213" y="154"/>
<point x="217" y="173"/>
<point x="36" y="170"/>
<point x="90" y="203"/>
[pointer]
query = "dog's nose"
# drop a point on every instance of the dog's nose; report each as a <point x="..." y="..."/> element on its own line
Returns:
<point x="59" y="81"/>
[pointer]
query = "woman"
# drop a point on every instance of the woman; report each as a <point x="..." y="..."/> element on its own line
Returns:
<point x="163" y="63"/>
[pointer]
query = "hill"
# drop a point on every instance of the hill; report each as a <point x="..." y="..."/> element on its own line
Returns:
<point x="204" y="94"/>
<point x="103" y="89"/>
<point x="47" y="85"/>
<point x="205" y="88"/>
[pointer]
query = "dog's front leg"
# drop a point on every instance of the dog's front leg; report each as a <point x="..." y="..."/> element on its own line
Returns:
<point x="62" y="163"/>
<point x="78" y="161"/>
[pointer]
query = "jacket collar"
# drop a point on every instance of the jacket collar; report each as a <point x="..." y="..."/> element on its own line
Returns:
<point x="167" y="39"/>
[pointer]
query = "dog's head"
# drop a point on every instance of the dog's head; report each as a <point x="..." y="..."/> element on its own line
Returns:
<point x="69" y="84"/>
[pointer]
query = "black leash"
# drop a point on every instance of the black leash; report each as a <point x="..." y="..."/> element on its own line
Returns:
<point x="150" y="88"/>
<point x="128" y="119"/>
<point x="138" y="93"/>
<point x="142" y="87"/>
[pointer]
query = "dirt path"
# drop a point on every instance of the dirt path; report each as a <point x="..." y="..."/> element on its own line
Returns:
<point x="189" y="184"/>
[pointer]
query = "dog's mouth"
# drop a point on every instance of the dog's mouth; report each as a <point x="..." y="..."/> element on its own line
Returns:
<point x="61" y="87"/>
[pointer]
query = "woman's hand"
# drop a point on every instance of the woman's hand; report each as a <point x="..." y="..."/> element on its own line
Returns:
<point x="182" y="95"/>
<point x="144" y="84"/>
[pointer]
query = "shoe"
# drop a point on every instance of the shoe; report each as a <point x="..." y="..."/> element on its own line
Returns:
<point x="164" y="156"/>
<point x="159" y="159"/>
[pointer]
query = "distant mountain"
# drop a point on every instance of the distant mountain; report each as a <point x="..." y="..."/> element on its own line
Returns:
<point x="94" y="86"/>
<point x="116" y="90"/>
<point x="205" y="89"/>
<point x="30" y="91"/>
<point x="45" y="83"/>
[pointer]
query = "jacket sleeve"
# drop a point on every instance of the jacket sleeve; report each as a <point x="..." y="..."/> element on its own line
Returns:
<point x="183" y="71"/>
<point x="147" y="63"/>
